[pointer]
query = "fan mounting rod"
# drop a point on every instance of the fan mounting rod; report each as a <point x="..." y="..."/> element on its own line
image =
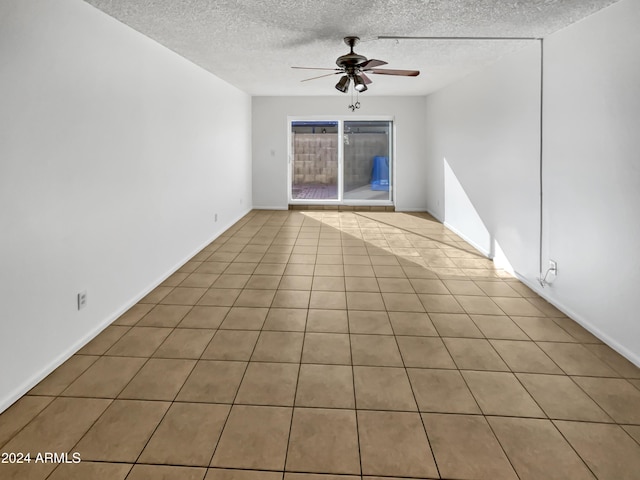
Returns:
<point x="350" y="61"/>
<point x="351" y="42"/>
<point x="354" y="68"/>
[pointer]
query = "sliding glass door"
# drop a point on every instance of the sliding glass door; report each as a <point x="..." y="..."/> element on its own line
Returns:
<point x="314" y="147"/>
<point x="367" y="156"/>
<point x="341" y="162"/>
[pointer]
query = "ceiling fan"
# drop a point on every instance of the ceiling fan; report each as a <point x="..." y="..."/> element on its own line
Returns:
<point x="354" y="68"/>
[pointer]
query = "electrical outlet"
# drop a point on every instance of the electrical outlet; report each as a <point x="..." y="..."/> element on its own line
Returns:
<point x="215" y="217"/>
<point x="553" y="267"/>
<point x="82" y="300"/>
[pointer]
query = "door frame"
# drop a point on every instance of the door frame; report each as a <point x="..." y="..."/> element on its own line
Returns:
<point x="341" y="119"/>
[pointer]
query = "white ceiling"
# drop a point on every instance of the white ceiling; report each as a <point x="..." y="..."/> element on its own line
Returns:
<point x="253" y="43"/>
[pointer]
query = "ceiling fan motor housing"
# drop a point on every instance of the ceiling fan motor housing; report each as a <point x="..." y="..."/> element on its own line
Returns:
<point x="351" y="60"/>
<point x="354" y="68"/>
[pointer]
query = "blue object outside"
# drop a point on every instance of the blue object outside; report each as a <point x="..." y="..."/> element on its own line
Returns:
<point x="380" y="174"/>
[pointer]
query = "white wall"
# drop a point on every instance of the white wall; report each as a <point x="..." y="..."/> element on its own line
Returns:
<point x="592" y="172"/>
<point x="270" y="142"/>
<point x="461" y="216"/>
<point x="115" y="154"/>
<point x="486" y="127"/>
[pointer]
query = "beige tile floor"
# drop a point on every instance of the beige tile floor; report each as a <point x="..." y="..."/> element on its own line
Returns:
<point x="324" y="345"/>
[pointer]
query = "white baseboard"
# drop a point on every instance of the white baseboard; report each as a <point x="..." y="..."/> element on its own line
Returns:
<point x="614" y="344"/>
<point x="410" y="209"/>
<point x="625" y="352"/>
<point x="468" y="240"/>
<point x="32" y="381"/>
<point x="279" y="207"/>
<point x="437" y="217"/>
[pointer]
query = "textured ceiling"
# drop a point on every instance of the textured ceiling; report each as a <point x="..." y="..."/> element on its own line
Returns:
<point x="253" y="43"/>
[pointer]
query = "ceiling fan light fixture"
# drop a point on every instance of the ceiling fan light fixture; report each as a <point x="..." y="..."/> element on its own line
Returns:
<point x="356" y="68"/>
<point x="358" y="84"/>
<point x="343" y="84"/>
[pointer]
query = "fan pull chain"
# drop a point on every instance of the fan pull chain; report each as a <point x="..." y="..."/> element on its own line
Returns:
<point x="354" y="105"/>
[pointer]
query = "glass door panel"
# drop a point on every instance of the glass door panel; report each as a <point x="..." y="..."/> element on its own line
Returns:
<point x="314" y="165"/>
<point x="367" y="160"/>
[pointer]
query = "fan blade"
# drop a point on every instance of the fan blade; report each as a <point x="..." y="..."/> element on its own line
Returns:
<point x="404" y="73"/>
<point x="371" y="64"/>
<point x="316" y="68"/>
<point x="366" y="79"/>
<point x="325" y="75"/>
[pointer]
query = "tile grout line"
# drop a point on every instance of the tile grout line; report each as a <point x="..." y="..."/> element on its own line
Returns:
<point x="545" y="418"/>
<point x="116" y="397"/>
<point x="482" y="412"/>
<point x="170" y="404"/>
<point x="127" y="384"/>
<point x="441" y="412"/>
<point x="584" y="462"/>
<point x="295" y="392"/>
<point x="300" y="226"/>
<point x="286" y="452"/>
<point x="409" y="231"/>
<point x="424" y="427"/>
<point x="113" y="400"/>
<point x="233" y="402"/>
<point x="355" y="400"/>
